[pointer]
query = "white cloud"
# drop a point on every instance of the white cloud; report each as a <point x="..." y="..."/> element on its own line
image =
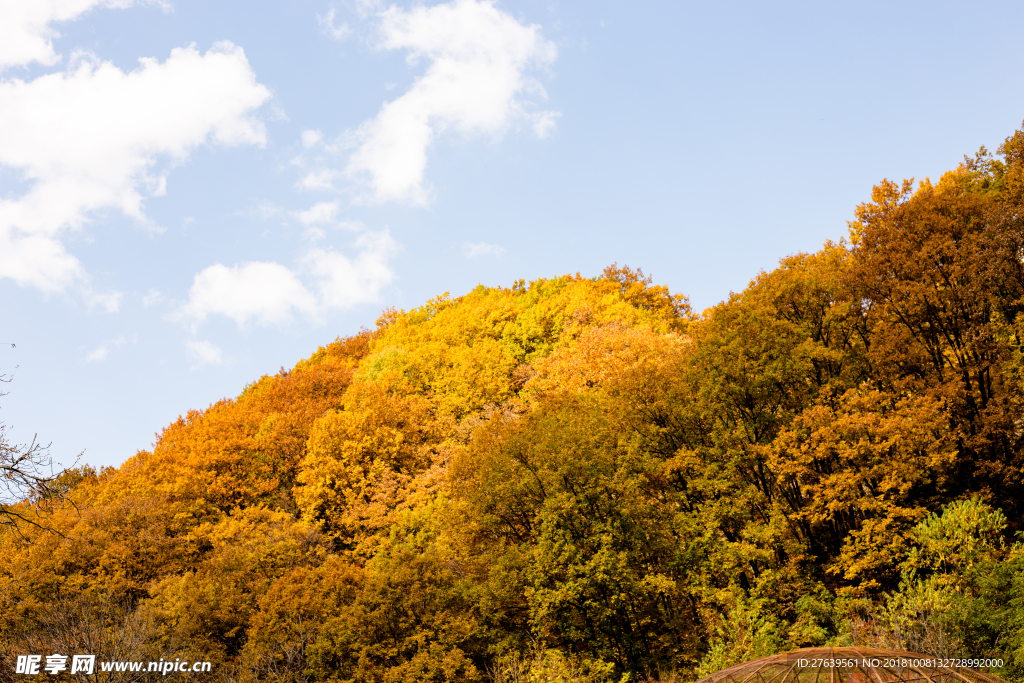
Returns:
<point x="108" y="301"/>
<point x="26" y="34"/>
<point x="151" y="297"/>
<point x="320" y="179"/>
<point x="311" y="137"/>
<point x="88" y="138"/>
<point x="324" y="212"/>
<point x="327" y="26"/>
<point x="544" y="123"/>
<point x="261" y="291"/>
<point x="203" y="352"/>
<point x="314" y="234"/>
<point x="481" y="249"/>
<point x="103" y="350"/>
<point x="270" y="293"/>
<point x="321" y="214"/>
<point x="265" y="211"/>
<point x="367" y="7"/>
<point x="474" y="84"/>
<point x="342" y="282"/>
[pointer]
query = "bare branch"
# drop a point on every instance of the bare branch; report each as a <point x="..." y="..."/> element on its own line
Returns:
<point x="31" y="486"/>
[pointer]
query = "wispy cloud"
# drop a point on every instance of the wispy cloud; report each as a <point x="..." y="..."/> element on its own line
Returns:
<point x="151" y="297"/>
<point x="318" y="214"/>
<point x="311" y="138"/>
<point x="336" y="31"/>
<point x="100" y="353"/>
<point x="481" y="249"/>
<point x="203" y="353"/>
<point x="321" y="215"/>
<point x="321" y="179"/>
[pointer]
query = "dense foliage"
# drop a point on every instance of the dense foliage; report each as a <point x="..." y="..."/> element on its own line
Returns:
<point x="580" y="479"/>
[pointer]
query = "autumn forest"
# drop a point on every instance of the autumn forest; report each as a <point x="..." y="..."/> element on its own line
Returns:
<point x="583" y="479"/>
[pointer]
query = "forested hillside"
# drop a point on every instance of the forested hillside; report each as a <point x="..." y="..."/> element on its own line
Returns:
<point x="582" y="479"/>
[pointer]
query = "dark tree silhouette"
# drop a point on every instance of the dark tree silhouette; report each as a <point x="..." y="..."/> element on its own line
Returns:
<point x="30" y="484"/>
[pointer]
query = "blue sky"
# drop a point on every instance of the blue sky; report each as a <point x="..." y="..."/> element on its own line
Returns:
<point x="193" y="194"/>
